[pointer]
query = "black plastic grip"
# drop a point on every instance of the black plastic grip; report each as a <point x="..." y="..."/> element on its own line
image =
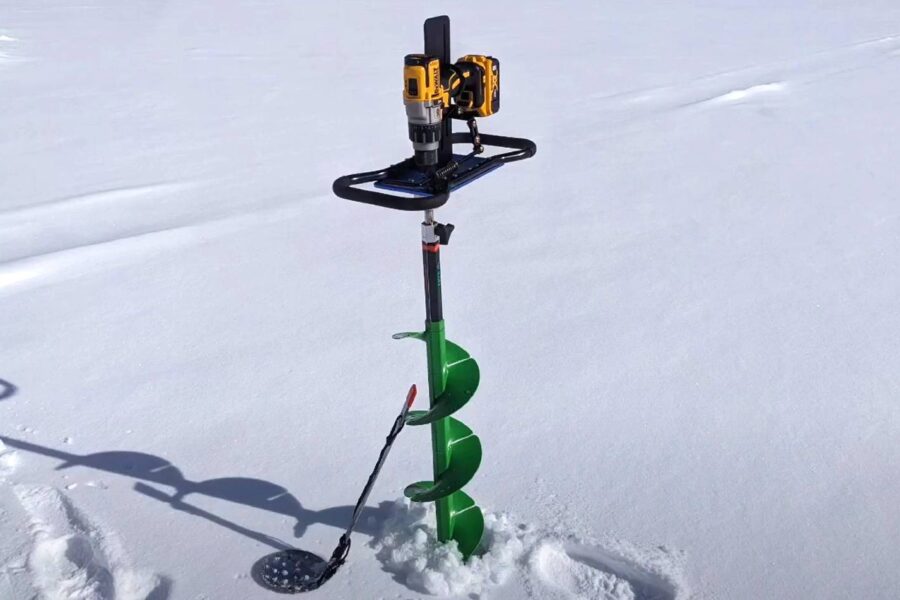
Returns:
<point x="344" y="188"/>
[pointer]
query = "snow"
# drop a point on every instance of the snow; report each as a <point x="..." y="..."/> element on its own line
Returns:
<point x="73" y="558"/>
<point x="683" y="307"/>
<point x="408" y="547"/>
<point x="8" y="460"/>
<point x="558" y="564"/>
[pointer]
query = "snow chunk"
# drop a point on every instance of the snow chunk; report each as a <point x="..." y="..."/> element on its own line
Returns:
<point x="410" y="550"/>
<point x="9" y="460"/>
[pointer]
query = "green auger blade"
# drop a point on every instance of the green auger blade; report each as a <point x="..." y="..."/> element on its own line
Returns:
<point x="466" y="523"/>
<point x="462" y="381"/>
<point x="464" y="450"/>
<point x="453" y="377"/>
<point x="462" y="377"/>
<point x="419" y="335"/>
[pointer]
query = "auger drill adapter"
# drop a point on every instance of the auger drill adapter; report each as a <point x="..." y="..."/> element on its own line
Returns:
<point x="436" y="91"/>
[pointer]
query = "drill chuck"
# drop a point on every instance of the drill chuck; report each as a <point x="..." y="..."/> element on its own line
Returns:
<point x="425" y="131"/>
<point x="425" y="140"/>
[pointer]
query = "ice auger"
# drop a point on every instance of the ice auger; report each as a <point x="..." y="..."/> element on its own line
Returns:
<point x="437" y="91"/>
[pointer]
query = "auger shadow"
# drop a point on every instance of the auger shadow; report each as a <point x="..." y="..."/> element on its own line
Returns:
<point x="255" y="493"/>
<point x="7" y="390"/>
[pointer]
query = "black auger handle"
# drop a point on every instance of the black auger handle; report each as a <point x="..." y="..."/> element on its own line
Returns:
<point x="522" y="147"/>
<point x="344" y="188"/>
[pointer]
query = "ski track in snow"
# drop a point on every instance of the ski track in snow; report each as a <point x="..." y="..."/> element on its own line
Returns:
<point x="589" y="571"/>
<point x="755" y="83"/>
<point x="551" y="565"/>
<point x="114" y="214"/>
<point x="71" y="558"/>
<point x="8" y="58"/>
<point x="94" y="201"/>
<point x="110" y="252"/>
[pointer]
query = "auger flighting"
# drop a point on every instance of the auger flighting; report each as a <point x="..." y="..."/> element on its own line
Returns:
<point x="436" y="91"/>
<point x="452" y="380"/>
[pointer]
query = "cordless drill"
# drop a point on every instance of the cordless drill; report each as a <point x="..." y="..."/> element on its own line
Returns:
<point x="433" y="92"/>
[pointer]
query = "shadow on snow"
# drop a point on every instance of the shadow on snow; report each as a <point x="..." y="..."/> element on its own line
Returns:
<point x="7" y="390"/>
<point x="255" y="493"/>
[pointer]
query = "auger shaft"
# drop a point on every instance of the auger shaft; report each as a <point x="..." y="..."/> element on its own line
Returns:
<point x="436" y="345"/>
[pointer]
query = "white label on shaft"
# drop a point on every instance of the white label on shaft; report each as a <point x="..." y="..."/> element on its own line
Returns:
<point x="428" y="234"/>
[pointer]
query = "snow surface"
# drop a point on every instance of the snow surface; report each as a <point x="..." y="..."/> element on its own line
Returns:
<point x="684" y="307"/>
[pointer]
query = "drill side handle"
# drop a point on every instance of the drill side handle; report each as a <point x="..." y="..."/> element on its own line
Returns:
<point x="344" y="187"/>
<point x="522" y="148"/>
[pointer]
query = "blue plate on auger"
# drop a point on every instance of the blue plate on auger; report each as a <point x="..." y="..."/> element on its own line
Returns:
<point x="467" y="169"/>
